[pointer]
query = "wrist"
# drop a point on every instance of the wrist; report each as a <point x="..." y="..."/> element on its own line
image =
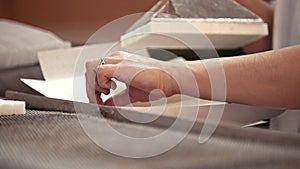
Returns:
<point x="202" y="79"/>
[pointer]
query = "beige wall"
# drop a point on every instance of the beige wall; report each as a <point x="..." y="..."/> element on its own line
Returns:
<point x="73" y="20"/>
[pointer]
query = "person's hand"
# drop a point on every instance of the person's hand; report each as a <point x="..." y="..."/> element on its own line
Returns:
<point x="143" y="77"/>
<point x="93" y="90"/>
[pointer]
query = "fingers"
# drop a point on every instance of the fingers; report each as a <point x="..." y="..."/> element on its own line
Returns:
<point x="98" y="97"/>
<point x="93" y="90"/>
<point x="121" y="99"/>
<point x="116" y="57"/>
<point x="99" y="77"/>
<point x="91" y="82"/>
<point x="93" y="95"/>
<point x="90" y="94"/>
<point x="130" y="95"/>
<point x="104" y="75"/>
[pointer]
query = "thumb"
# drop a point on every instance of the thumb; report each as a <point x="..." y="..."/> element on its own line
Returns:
<point x="121" y="99"/>
<point x="130" y="95"/>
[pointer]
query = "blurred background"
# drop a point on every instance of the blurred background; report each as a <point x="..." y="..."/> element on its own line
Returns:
<point x="72" y="20"/>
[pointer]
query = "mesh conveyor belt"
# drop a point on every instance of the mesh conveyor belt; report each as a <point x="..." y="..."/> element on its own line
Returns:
<point x="55" y="140"/>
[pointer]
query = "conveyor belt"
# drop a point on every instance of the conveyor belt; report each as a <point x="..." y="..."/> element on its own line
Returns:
<point x="42" y="139"/>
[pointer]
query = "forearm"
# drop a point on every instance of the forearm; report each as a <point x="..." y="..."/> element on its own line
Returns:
<point x="265" y="11"/>
<point x="263" y="79"/>
<point x="259" y="7"/>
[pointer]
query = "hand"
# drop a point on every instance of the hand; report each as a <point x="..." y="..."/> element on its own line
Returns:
<point x="93" y="90"/>
<point x="142" y="76"/>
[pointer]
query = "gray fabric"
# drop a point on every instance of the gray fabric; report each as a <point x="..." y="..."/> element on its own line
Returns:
<point x="20" y="43"/>
<point x="56" y="140"/>
<point x="289" y="121"/>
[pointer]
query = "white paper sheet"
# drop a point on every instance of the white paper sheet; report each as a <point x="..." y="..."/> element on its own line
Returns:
<point x="59" y="89"/>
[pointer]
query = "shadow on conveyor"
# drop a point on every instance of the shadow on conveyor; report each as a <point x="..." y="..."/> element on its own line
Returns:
<point x="191" y="55"/>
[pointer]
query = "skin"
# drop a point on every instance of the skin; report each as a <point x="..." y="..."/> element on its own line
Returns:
<point x="262" y="9"/>
<point x="268" y="79"/>
<point x="139" y="85"/>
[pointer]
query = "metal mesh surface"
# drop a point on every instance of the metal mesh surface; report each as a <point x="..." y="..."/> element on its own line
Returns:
<point x="56" y="140"/>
